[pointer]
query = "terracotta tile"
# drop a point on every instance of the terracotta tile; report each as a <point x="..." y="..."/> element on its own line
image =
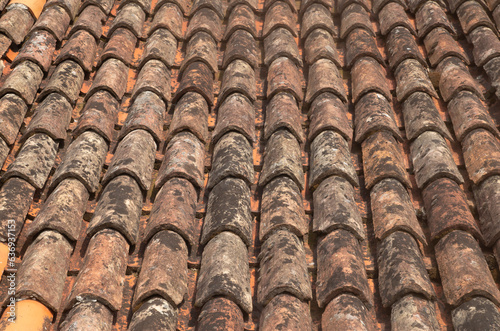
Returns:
<point x="174" y="209"/>
<point x="154" y="312"/>
<point x="392" y="210"/>
<point x="440" y="44"/>
<point x="88" y="315"/>
<point x="430" y="16"/>
<point x="81" y="48"/>
<point x="447" y="209"/>
<point x="281" y="207"/>
<point x="492" y="68"/>
<point x="454" y="4"/>
<point x="12" y="112"/>
<point x="120" y="46"/>
<point x="34" y="161"/>
<point x="342" y="4"/>
<point x="216" y="6"/>
<point x="496" y="15"/>
<point x="16" y="195"/>
<point x="238" y="77"/>
<point x="368" y="76"/>
<point x="225" y="257"/>
<point x="38" y="48"/>
<point x="401" y="269"/>
<point x="241" y="18"/>
<point x="15" y="24"/>
<point x="282" y="157"/>
<point x="486" y="45"/>
<point x="382" y="158"/>
<point x="23" y="81"/>
<point x="63" y="210"/>
<point x="290" y="3"/>
<point x="5" y="44"/>
<point x="401" y="45"/>
<point x="130" y="17"/>
<point x="393" y="15"/>
<point x="168" y="17"/>
<point x="359" y="43"/>
<point x="455" y="77"/>
<point x="324" y="77"/>
<point x="284" y="76"/>
<point x="478" y="313"/>
<point x="317" y="16"/>
<point x="481" y="154"/>
<point x="374" y="113"/>
<point x="102" y="275"/>
<point x="164" y="269"/>
<point x="162" y="46"/>
<point x="183" y="158"/>
<point x="43" y="270"/>
<point x="354" y="16"/>
<point x="330" y="156"/>
<point x="420" y="115"/>
<point x="54" y="20"/>
<point x="191" y="114"/>
<point x="412" y="77"/>
<point x="413" y="312"/>
<point x="83" y="160"/>
<point x="112" y="77"/>
<point x="282" y="112"/>
<point x="318" y="45"/>
<point x="52" y="117"/>
<point x="236" y="113"/>
<point x="205" y="20"/>
<point x="66" y="80"/>
<point x="4" y="151"/>
<point x="119" y="208"/>
<point x="487" y="198"/>
<point x="340" y="268"/>
<point x="328" y="112"/>
<point x="220" y="314"/>
<point x="285" y="311"/>
<point x="146" y="113"/>
<point x="144" y="4"/>
<point x="281" y="43"/>
<point x="491" y="4"/>
<point x="184" y="5"/>
<point x="241" y="46"/>
<point x="279" y="15"/>
<point x="252" y="4"/>
<point x="472" y="15"/>
<point x="134" y="156"/>
<point x="232" y="157"/>
<point x="155" y="77"/>
<point x="228" y="209"/>
<point x="91" y="19"/>
<point x="198" y="78"/>
<point x="99" y="115"/>
<point x="283" y="268"/>
<point x="463" y="269"/>
<point x="71" y="6"/>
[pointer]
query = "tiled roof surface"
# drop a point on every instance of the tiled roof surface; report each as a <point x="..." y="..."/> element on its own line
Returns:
<point x="250" y="165"/>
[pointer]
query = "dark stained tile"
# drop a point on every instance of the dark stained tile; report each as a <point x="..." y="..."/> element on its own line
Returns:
<point x="440" y="44"/>
<point x="413" y="312"/>
<point x="112" y="77"/>
<point x="155" y="77"/>
<point x="12" y="112"/>
<point x="281" y="43"/>
<point x="393" y="15"/>
<point x="239" y="77"/>
<point x="382" y="158"/>
<point x="91" y="19"/>
<point x="198" y="78"/>
<point x="16" y="23"/>
<point x="131" y="17"/>
<point x="43" y="270"/>
<point x="135" y="157"/>
<point x="102" y="275"/>
<point x="232" y="157"/>
<point x="346" y="312"/>
<point x="184" y="5"/>
<point x="478" y="313"/>
<point x="38" y="48"/>
<point x="283" y="268"/>
<point x="320" y="45"/>
<point x="236" y="113"/>
<point x="220" y="314"/>
<point x="401" y="269"/>
<point x="34" y="161"/>
<point x="216" y="6"/>
<point x="225" y="272"/>
<point x="373" y="112"/>
<point x="335" y="208"/>
<point x="154" y="313"/>
<point x="83" y="160"/>
<point x="201" y="47"/>
<point x="81" y="48"/>
<point x="487" y="199"/>
<point x="392" y="210"/>
<point x="71" y="6"/>
<point x="241" y="17"/>
<point x="54" y="20"/>
<point x="454" y="4"/>
<point x="447" y="209"/>
<point x="144" y="4"/>
<point x="472" y="15"/>
<point x="378" y="5"/>
<point x="206" y="20"/>
<point x="342" y="4"/>
<point x="120" y="46"/>
<point x="88" y="315"/>
<point x="330" y="156"/>
<point x="290" y="3"/>
<point x="317" y="16"/>
<point x="119" y="208"/>
<point x="481" y="155"/>
<point x="361" y="43"/>
<point x="282" y="112"/>
<point x="164" y="269"/>
<point x="285" y="311"/>
<point x="279" y="15"/>
<point x="430" y="16"/>
<point x="368" y="76"/>
<point x="63" y="210"/>
<point x="16" y="195"/>
<point x="324" y="76"/>
<point x="496" y="14"/>
<point x="282" y="207"/>
<point x="162" y="46"/>
<point x="463" y="269"/>
<point x="241" y="45"/>
<point x="412" y="77"/>
<point x="455" y="77"/>
<point x="252" y="4"/>
<point x="191" y="114"/>
<point x="420" y="115"/>
<point x="284" y="76"/>
<point x="174" y="209"/>
<point x="401" y="45"/>
<point x="282" y="157"/>
<point x="354" y="16"/>
<point x="23" y="81"/>
<point x="492" y="69"/>
<point x="341" y="268"/>
<point x="486" y="45"/>
<point x="66" y="80"/>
